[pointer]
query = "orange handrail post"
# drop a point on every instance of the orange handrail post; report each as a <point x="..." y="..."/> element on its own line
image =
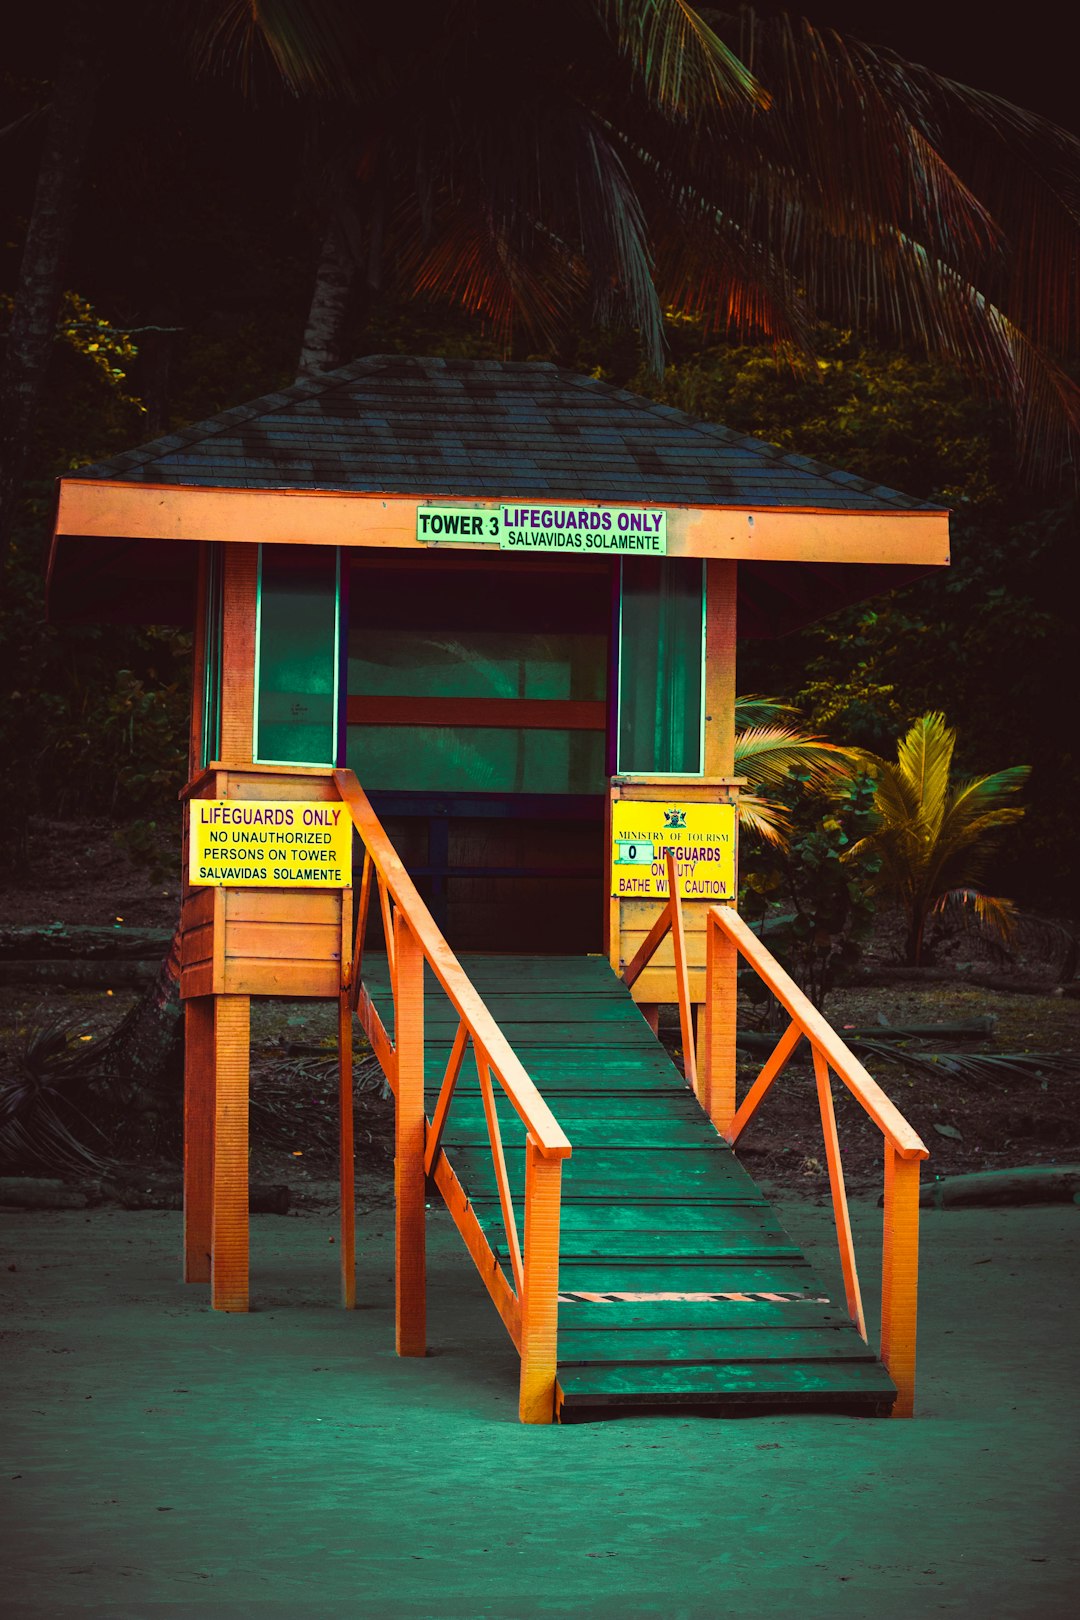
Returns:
<point x="540" y="1287"/>
<point x="409" y="1129"/>
<point x="900" y="1275"/>
<point x="347" y="1152"/>
<point x="718" y="1065"/>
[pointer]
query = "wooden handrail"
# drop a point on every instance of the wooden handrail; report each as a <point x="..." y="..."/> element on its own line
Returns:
<point x="904" y="1141"/>
<point x="489" y="1043"/>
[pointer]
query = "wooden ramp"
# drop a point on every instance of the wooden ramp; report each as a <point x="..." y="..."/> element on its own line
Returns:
<point x="677" y="1283"/>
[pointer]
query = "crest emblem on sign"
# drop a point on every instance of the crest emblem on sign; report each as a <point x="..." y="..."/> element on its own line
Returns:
<point x="674" y="819"/>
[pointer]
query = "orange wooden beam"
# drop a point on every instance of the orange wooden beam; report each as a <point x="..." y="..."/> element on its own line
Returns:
<point x="110" y="507"/>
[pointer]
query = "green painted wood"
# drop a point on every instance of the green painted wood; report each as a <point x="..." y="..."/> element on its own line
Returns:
<point x="789" y="1383"/>
<point x="655" y="1204"/>
<point x="741" y="1316"/>
<point x="593" y="1347"/>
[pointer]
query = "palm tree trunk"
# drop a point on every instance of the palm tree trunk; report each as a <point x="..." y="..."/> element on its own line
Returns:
<point x="324" y="335"/>
<point x="37" y="294"/>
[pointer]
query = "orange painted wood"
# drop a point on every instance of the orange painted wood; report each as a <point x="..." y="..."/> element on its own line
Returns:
<point x="491" y="1273"/>
<point x="721" y="591"/>
<point x="356" y="970"/>
<point x="539" y="1289"/>
<point x="252" y="976"/>
<point x="409" y="1130"/>
<point x="900" y="1276"/>
<point x="664" y="955"/>
<point x="386" y="910"/>
<point x="198" y="665"/>
<point x="238" y="653"/>
<point x="774" y="1066"/>
<point x="720" y="1029"/>
<point x="682" y="982"/>
<point x="841" y="1214"/>
<point x="198" y="907"/>
<point x="550" y="714"/>
<point x="197" y="981"/>
<point x="286" y="906"/>
<point x="346" y="1155"/>
<point x="446" y="1097"/>
<point x="198" y="1137"/>
<point x="646" y="950"/>
<point x="138" y="511"/>
<point x="378" y="1039"/>
<point x="650" y="1011"/>
<point x="197" y="945"/>
<point x="659" y="984"/>
<point x="822" y="1036"/>
<point x="295" y="941"/>
<point x="489" y="1042"/>
<point x="229" y="1239"/>
<point x="502" y="1180"/>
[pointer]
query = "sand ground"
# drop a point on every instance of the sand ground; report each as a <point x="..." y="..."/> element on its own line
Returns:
<point x="159" y="1459"/>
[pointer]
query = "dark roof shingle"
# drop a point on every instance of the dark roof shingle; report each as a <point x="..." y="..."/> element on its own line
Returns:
<point x="413" y="426"/>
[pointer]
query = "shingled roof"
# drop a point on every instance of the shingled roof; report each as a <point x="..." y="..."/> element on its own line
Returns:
<point x="486" y="428"/>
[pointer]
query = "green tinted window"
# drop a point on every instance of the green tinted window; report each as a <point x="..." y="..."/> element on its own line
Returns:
<point x="471" y="662"/>
<point x="660" y="666"/>
<point x="477" y="759"/>
<point x="297" y="655"/>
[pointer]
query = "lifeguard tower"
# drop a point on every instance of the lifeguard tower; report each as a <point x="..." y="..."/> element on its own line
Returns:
<point x="480" y="618"/>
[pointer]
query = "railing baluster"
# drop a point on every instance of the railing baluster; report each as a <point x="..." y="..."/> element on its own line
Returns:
<point x="776" y="1062"/>
<point x="682" y="976"/>
<point x="506" y="1202"/>
<point x="361" y="929"/>
<point x="446" y="1093"/>
<point x="900" y="1276"/>
<point x="540" y="1287"/>
<point x="387" y="909"/>
<point x="839" y="1193"/>
<point x="409" y="1127"/>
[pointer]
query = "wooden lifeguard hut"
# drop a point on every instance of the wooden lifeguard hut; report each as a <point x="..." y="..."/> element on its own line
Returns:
<point x="481" y="617"/>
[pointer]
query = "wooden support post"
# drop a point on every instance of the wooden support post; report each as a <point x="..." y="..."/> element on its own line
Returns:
<point x="347" y="1152"/>
<point x="240" y="596"/>
<point x="540" y="1287"/>
<point x="718" y="1068"/>
<point x="650" y="1011"/>
<point x="409" y="1182"/>
<point x="229" y="1235"/>
<point x="900" y="1276"/>
<point x="198" y="1136"/>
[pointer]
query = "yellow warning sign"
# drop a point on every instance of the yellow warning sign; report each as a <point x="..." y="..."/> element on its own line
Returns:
<point x="257" y="844"/>
<point x="700" y="836"/>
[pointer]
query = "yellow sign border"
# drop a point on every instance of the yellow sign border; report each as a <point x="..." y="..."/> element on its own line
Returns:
<point x="294" y="844"/>
<point x="684" y="827"/>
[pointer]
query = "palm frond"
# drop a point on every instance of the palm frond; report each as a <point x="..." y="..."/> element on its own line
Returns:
<point x="997" y="916"/>
<point x="769" y="820"/>
<point x="307" y="46"/>
<point x="685" y="68"/>
<point x="924" y="757"/>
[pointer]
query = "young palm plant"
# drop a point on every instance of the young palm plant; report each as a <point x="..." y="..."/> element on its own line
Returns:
<point x="934" y="835"/>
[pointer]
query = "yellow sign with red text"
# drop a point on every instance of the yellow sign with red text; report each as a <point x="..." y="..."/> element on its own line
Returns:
<point x="257" y="844"/>
<point x="700" y="836"/>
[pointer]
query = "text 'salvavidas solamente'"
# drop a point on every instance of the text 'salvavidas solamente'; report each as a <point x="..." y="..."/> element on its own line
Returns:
<point x="256" y="844"/>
